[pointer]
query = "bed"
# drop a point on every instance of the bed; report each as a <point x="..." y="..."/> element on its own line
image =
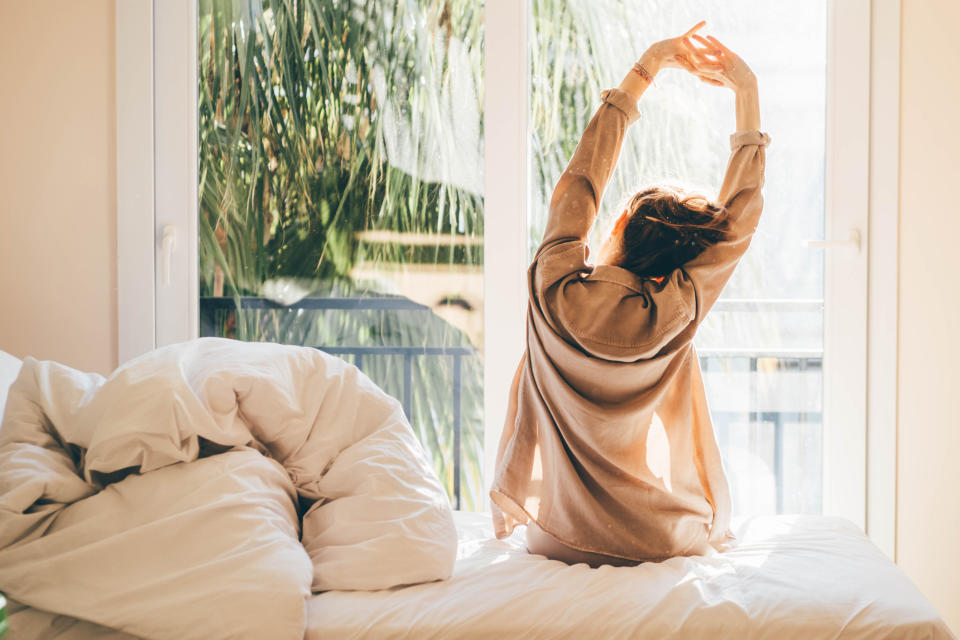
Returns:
<point x="788" y="577"/>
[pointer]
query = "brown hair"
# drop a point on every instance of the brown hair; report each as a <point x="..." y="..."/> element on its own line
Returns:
<point x="667" y="227"/>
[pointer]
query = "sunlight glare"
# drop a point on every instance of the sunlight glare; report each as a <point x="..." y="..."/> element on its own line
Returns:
<point x="658" y="452"/>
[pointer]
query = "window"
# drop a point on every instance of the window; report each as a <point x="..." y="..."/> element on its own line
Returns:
<point x="761" y="347"/>
<point x="341" y="198"/>
<point x="436" y="212"/>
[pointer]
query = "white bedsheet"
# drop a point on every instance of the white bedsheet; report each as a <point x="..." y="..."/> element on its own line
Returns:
<point x="790" y="577"/>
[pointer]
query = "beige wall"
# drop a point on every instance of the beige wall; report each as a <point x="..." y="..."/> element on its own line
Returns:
<point x="928" y="487"/>
<point x="57" y="182"/>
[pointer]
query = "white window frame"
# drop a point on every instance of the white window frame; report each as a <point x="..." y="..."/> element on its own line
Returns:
<point x="845" y="270"/>
<point x="157" y="191"/>
<point x="883" y="275"/>
<point x="506" y="171"/>
<point x="136" y="321"/>
<point x="175" y="161"/>
<point x="156" y="174"/>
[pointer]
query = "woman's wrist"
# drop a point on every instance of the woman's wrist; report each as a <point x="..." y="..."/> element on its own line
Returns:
<point x="748" y="105"/>
<point x="651" y="61"/>
<point x="747" y="85"/>
<point x="636" y="83"/>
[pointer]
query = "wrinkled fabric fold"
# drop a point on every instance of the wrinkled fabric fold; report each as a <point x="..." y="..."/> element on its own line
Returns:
<point x="108" y="512"/>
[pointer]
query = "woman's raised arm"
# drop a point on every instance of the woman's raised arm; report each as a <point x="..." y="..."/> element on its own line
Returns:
<point x="576" y="197"/>
<point x="741" y="192"/>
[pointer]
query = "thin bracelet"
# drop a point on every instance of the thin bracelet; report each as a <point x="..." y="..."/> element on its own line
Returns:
<point x="643" y="73"/>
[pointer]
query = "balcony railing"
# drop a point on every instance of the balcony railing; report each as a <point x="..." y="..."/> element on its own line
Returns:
<point x="802" y="360"/>
<point x="799" y="360"/>
<point x="210" y="306"/>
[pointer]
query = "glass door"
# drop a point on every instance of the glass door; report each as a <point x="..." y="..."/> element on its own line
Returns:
<point x="341" y="198"/>
<point x="762" y="346"/>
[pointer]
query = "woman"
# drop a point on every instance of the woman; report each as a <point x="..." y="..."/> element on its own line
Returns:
<point x="608" y="453"/>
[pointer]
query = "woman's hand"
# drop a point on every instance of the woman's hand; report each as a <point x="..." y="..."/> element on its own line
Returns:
<point x="672" y="53"/>
<point x="715" y="64"/>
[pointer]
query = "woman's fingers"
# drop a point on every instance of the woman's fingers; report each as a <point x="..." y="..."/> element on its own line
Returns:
<point x="696" y="52"/>
<point x="717" y="44"/>
<point x="716" y="74"/>
<point x="708" y="45"/>
<point x="695" y="62"/>
<point x="685" y="63"/>
<point x="717" y="77"/>
<point x="705" y="57"/>
<point x="690" y="45"/>
<point x="703" y="61"/>
<point x="695" y="27"/>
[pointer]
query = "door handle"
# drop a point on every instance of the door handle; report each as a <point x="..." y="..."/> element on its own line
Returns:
<point x="852" y="242"/>
<point x="168" y="243"/>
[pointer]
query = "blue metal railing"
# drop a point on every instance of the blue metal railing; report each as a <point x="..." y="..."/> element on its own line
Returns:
<point x="800" y="360"/>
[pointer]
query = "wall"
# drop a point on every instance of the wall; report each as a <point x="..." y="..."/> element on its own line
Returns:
<point x="928" y="518"/>
<point x="57" y="180"/>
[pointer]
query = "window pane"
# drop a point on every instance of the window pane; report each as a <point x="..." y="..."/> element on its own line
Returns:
<point x="761" y="347"/>
<point x="341" y="197"/>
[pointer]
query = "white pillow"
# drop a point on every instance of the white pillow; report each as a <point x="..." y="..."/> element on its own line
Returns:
<point x="9" y="369"/>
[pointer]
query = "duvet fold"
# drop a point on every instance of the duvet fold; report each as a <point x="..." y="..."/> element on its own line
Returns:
<point x="164" y="501"/>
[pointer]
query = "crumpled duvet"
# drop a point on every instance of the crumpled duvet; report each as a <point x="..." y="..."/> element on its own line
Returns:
<point x="165" y="500"/>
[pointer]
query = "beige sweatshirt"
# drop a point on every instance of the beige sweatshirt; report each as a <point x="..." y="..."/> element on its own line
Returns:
<point x="613" y="450"/>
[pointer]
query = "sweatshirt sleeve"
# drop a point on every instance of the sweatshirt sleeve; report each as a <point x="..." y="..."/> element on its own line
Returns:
<point x="741" y="195"/>
<point x="576" y="197"/>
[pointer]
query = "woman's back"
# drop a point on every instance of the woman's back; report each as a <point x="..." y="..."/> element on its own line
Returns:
<point x="612" y="450"/>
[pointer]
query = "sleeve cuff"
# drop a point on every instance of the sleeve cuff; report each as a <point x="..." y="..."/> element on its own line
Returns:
<point x="743" y="138"/>
<point x="622" y="101"/>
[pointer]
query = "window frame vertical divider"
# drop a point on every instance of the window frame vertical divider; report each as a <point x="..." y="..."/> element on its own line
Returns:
<point x="506" y="171"/>
<point x="845" y="268"/>
<point x="156" y="99"/>
<point x="883" y="275"/>
<point x="176" y="131"/>
<point x="136" y="321"/>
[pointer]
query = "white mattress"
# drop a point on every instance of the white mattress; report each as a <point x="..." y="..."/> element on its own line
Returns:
<point x="790" y="577"/>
